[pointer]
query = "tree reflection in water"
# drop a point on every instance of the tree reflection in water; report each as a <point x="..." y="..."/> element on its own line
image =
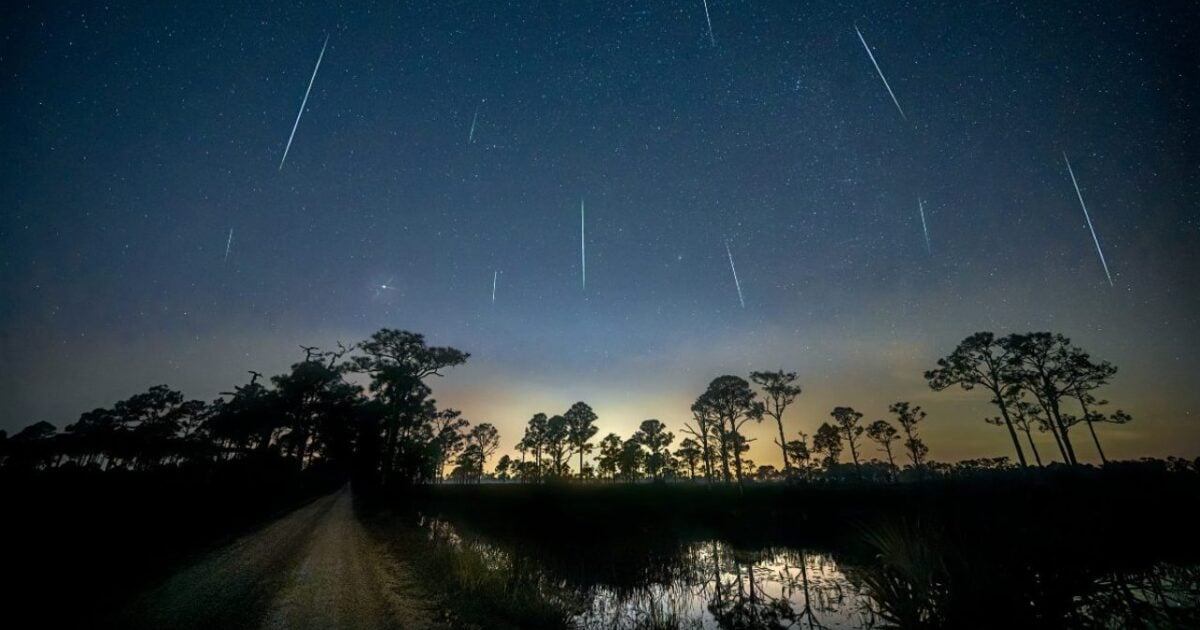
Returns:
<point x="913" y="578"/>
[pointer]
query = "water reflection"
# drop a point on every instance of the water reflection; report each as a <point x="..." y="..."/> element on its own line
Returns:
<point x="906" y="581"/>
<point x="724" y="588"/>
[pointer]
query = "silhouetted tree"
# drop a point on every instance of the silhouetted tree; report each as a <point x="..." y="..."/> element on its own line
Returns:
<point x="883" y="433"/>
<point x="631" y="459"/>
<point x="778" y="393"/>
<point x="32" y="447"/>
<point x="610" y="455"/>
<point x="689" y="454"/>
<point x="1026" y="415"/>
<point x="654" y="436"/>
<point x="908" y="417"/>
<point x="449" y="428"/>
<point x="522" y="447"/>
<point x="1086" y="376"/>
<point x="247" y="421"/>
<point x="1042" y="364"/>
<point x="705" y="430"/>
<point x="799" y="453"/>
<point x="828" y="440"/>
<point x="482" y="440"/>
<point x="847" y="422"/>
<point x="503" y="467"/>
<point x="398" y="361"/>
<point x="981" y="360"/>
<point x="1095" y="417"/>
<point x="468" y="465"/>
<point x="309" y="392"/>
<point x="535" y="439"/>
<point x="580" y="430"/>
<point x="733" y="403"/>
<point x="557" y="444"/>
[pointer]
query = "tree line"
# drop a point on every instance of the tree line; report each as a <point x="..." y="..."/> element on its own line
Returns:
<point x="316" y="413"/>
<point x="394" y="431"/>
<point x="1032" y="379"/>
<point x="715" y="447"/>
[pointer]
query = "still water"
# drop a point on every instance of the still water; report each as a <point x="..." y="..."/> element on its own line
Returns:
<point x="722" y="588"/>
<point x="901" y="583"/>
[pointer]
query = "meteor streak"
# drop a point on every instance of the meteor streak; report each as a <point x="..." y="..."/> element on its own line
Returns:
<point x="735" y="278"/>
<point x="471" y="137"/>
<point x="885" y="82"/>
<point x="1087" y="216"/>
<point x="924" y="228"/>
<point x="228" y="243"/>
<point x="495" y="276"/>
<point x="708" y="18"/>
<point x="582" y="246"/>
<point x="303" y="103"/>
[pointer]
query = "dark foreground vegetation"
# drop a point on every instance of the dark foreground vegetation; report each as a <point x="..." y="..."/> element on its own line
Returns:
<point x="78" y="543"/>
<point x="1064" y="547"/>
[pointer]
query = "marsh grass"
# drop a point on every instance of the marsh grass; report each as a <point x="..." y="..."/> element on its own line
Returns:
<point x="1020" y="551"/>
<point x="478" y="585"/>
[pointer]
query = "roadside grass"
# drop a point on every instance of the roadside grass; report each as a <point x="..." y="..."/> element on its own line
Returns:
<point x="476" y="586"/>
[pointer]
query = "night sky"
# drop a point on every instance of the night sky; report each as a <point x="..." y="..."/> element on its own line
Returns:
<point x="133" y="139"/>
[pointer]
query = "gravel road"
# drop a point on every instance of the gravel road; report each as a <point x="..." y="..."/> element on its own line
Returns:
<point x="314" y="568"/>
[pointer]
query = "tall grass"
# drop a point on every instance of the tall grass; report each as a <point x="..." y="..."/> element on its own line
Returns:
<point x="479" y="585"/>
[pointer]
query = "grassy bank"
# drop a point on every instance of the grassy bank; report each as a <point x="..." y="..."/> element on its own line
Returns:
<point x="476" y="585"/>
<point x="1087" y="503"/>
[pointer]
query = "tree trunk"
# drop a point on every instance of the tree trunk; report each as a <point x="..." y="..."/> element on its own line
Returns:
<point x="1054" y="430"/>
<point x="787" y="467"/>
<point x="707" y="454"/>
<point x="1063" y="428"/>
<point x="891" y="462"/>
<point x="724" y="438"/>
<point x="1091" y="428"/>
<point x="1033" y="447"/>
<point x="737" y="459"/>
<point x="1012" y="432"/>
<point x="853" y="454"/>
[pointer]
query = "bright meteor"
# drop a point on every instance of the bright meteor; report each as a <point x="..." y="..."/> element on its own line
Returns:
<point x="736" y="282"/>
<point x="885" y="81"/>
<point x="1087" y="216"/>
<point x="303" y="103"/>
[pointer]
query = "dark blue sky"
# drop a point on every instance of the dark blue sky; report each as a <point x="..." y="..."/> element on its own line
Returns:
<point x="134" y="138"/>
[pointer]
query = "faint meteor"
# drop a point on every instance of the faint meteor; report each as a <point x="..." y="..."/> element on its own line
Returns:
<point x="1087" y="216"/>
<point x="471" y="137"/>
<point x="495" y="276"/>
<point x="582" y="246"/>
<point x="736" y="282"/>
<point x="303" y="103"/>
<point x="708" y="18"/>
<point x="924" y="227"/>
<point x="228" y="244"/>
<point x="885" y="82"/>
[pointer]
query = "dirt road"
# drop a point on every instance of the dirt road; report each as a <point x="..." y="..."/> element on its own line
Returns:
<point x="314" y="568"/>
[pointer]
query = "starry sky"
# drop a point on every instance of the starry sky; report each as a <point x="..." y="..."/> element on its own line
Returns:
<point x="135" y="138"/>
